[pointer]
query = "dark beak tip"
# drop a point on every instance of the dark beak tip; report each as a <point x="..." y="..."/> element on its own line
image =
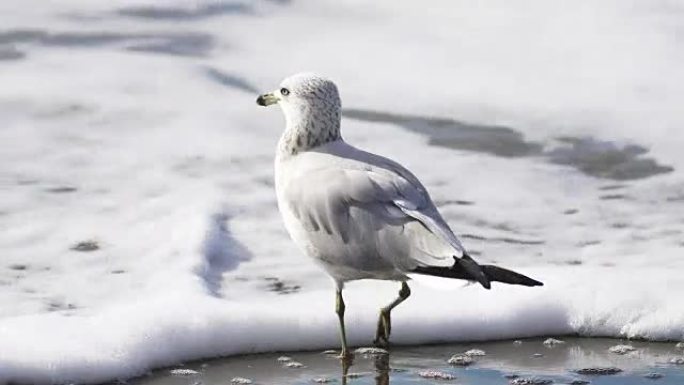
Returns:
<point x="261" y="101"/>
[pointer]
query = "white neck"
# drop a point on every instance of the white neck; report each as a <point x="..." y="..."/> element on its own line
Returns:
<point x="309" y="126"/>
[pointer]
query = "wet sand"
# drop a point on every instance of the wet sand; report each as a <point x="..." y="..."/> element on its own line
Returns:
<point x="530" y="361"/>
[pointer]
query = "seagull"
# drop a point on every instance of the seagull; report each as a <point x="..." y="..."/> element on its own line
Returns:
<point x="360" y="215"/>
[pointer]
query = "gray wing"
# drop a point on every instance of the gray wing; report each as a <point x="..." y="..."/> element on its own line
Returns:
<point x="386" y="209"/>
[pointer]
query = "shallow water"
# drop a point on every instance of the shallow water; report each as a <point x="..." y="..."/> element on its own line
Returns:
<point x="505" y="362"/>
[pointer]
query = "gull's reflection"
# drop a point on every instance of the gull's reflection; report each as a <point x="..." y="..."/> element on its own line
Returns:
<point x="347" y="363"/>
<point x="382" y="369"/>
<point x="380" y="362"/>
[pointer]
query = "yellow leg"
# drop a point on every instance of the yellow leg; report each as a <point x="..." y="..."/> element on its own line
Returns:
<point x="339" y="309"/>
<point x="384" y="328"/>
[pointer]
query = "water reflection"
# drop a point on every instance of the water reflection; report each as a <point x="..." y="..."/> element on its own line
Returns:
<point x="382" y="369"/>
<point x="505" y="361"/>
<point x="381" y="363"/>
<point x="528" y="360"/>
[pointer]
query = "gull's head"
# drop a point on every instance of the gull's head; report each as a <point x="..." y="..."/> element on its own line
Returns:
<point x="304" y="89"/>
<point x="311" y="105"/>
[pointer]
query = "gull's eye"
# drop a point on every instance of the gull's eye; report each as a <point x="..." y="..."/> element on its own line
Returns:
<point x="284" y="91"/>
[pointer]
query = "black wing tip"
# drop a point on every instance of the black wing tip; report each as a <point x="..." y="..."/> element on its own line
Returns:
<point x="527" y="281"/>
<point x="474" y="270"/>
<point x="500" y="274"/>
<point x="532" y="283"/>
<point x="466" y="268"/>
<point x="486" y="283"/>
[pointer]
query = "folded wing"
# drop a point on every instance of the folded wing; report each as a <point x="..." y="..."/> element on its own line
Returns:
<point x="385" y="208"/>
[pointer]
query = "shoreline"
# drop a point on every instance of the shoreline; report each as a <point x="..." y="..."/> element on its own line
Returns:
<point x="534" y="361"/>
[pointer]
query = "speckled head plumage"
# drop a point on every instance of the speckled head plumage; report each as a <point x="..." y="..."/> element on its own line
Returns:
<point x="311" y="105"/>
